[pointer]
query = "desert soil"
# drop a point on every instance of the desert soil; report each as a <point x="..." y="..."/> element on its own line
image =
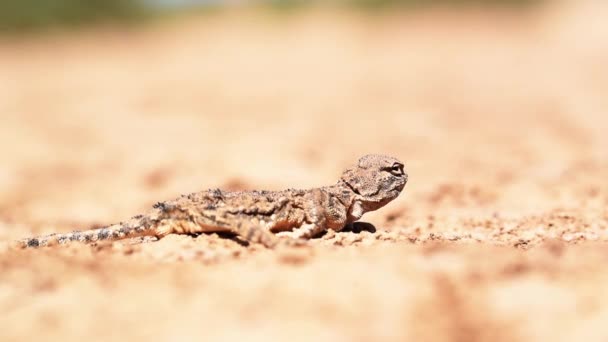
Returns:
<point x="500" y="117"/>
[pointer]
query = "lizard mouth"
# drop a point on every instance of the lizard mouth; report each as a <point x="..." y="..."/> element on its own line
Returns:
<point x="399" y="186"/>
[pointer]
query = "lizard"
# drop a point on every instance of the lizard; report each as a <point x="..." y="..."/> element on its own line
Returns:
<point x="271" y="218"/>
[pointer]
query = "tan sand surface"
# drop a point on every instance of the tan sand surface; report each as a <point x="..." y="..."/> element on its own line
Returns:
<point x="500" y="235"/>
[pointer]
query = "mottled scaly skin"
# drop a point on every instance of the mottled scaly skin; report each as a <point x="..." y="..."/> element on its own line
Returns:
<point x="266" y="217"/>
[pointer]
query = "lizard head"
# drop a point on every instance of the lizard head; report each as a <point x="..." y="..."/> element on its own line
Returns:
<point x="376" y="180"/>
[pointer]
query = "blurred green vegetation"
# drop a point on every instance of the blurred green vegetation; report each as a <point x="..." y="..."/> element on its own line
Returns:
<point x="25" y="15"/>
<point x="379" y="4"/>
<point x="31" y="15"/>
<point x="373" y="5"/>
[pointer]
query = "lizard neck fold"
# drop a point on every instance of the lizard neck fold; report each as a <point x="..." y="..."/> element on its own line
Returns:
<point x="347" y="195"/>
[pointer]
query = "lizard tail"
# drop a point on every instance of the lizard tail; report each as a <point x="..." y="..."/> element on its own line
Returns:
<point x="115" y="232"/>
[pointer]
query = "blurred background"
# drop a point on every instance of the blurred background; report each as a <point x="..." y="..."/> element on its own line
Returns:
<point x="43" y="14"/>
<point x="498" y="109"/>
<point x="108" y="105"/>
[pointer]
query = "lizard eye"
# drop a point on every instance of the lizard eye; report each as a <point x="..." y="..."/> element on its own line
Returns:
<point x="396" y="169"/>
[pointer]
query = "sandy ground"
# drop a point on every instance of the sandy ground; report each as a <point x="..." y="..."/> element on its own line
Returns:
<point x="500" y="234"/>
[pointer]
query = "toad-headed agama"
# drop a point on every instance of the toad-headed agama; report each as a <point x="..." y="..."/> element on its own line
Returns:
<point x="268" y="217"/>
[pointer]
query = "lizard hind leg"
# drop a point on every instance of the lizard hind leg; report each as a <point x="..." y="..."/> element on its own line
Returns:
<point x="259" y="233"/>
<point x="306" y="231"/>
<point x="163" y="229"/>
